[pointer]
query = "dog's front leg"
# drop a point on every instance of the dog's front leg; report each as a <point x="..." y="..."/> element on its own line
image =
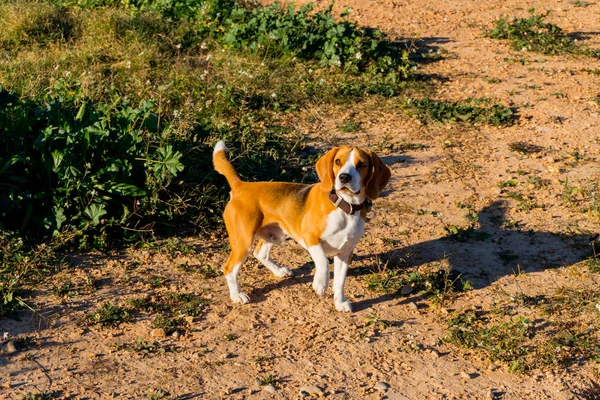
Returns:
<point x="340" y="269"/>
<point x="321" y="279"/>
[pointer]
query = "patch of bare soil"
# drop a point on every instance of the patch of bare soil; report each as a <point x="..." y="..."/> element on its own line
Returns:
<point x="536" y="236"/>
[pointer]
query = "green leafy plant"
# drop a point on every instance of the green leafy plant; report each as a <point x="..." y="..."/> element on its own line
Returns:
<point x="143" y="347"/>
<point x="374" y="321"/>
<point x="508" y="183"/>
<point x="81" y="168"/>
<point x="108" y="315"/>
<point x="21" y="265"/>
<point x="593" y="264"/>
<point x="501" y="342"/>
<point x="170" y="324"/>
<point x="470" y="111"/>
<point x="317" y="36"/>
<point x="266" y="380"/>
<point x="525" y="148"/>
<point x="433" y="284"/>
<point x="537" y="35"/>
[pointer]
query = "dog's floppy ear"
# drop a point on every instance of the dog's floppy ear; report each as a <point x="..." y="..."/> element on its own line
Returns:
<point x="380" y="176"/>
<point x="325" y="169"/>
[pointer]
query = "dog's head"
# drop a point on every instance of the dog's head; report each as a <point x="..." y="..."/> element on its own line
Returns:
<point x="354" y="171"/>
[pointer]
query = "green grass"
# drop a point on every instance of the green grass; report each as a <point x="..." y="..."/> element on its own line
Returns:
<point x="500" y="342"/>
<point x="170" y="324"/>
<point x="262" y="359"/>
<point x="580" y="3"/>
<point x="525" y="148"/>
<point x="21" y="267"/>
<point x="109" y="111"/>
<point x="108" y="315"/>
<point x="350" y="126"/>
<point x="157" y="394"/>
<point x="564" y="331"/>
<point x="469" y="111"/>
<point x="143" y="347"/>
<point x="374" y="321"/>
<point x="266" y="380"/>
<point x="508" y="183"/>
<point x="593" y="264"/>
<point x="169" y="309"/>
<point x="66" y="289"/>
<point x="524" y="202"/>
<point x="436" y="284"/>
<point x="536" y="35"/>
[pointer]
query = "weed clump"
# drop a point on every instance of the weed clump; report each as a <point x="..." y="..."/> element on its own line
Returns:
<point x="21" y="265"/>
<point x="567" y="333"/>
<point x="435" y="284"/>
<point x="525" y="148"/>
<point x="108" y="315"/>
<point x="316" y="36"/>
<point x="39" y="26"/>
<point x="501" y="342"/>
<point x="536" y="35"/>
<point x="469" y="111"/>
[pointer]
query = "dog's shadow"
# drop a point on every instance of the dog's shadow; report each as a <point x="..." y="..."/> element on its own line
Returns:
<point x="498" y="248"/>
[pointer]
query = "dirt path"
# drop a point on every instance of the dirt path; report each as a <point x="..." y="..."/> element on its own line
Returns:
<point x="298" y="338"/>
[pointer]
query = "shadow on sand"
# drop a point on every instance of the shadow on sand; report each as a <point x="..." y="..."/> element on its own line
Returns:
<point x="496" y="249"/>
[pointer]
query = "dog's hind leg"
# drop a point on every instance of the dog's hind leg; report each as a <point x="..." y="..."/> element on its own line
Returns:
<point x="262" y="252"/>
<point x="231" y="271"/>
<point x="240" y="239"/>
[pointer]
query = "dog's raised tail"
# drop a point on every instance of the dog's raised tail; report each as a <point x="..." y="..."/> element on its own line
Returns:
<point x="223" y="166"/>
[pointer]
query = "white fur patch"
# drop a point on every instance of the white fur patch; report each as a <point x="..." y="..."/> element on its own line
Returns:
<point x="264" y="256"/>
<point x="342" y="232"/>
<point x="321" y="279"/>
<point x="235" y="291"/>
<point x="349" y="168"/>
<point x="340" y="269"/>
<point x="220" y="146"/>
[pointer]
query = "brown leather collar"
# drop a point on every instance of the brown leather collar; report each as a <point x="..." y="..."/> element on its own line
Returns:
<point x="346" y="207"/>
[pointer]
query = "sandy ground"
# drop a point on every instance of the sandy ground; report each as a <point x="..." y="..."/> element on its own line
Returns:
<point x="288" y="331"/>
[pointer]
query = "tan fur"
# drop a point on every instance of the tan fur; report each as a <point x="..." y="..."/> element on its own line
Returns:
<point x="257" y="209"/>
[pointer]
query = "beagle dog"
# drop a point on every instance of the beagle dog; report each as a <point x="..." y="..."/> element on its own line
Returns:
<point x="326" y="218"/>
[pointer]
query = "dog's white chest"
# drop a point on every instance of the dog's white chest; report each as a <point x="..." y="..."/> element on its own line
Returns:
<point x="342" y="232"/>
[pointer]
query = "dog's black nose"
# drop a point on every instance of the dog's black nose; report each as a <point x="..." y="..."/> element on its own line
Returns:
<point x="345" y="178"/>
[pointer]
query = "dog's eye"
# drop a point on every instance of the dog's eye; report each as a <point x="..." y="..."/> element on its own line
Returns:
<point x="338" y="162"/>
<point x="361" y="165"/>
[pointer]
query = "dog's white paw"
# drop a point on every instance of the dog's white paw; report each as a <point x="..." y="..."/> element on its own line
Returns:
<point x="343" y="306"/>
<point x="282" y="272"/>
<point x="320" y="286"/>
<point x="240" y="298"/>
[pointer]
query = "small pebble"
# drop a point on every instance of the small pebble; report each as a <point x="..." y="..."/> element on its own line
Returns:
<point x="413" y="305"/>
<point x="10" y="348"/>
<point x="269" y="388"/>
<point x="311" y="390"/>
<point x="382" y="386"/>
<point x="406" y="290"/>
<point x="158" y="333"/>
<point x="466" y="375"/>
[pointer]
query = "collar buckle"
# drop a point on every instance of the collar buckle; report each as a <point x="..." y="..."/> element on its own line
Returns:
<point x="348" y="208"/>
